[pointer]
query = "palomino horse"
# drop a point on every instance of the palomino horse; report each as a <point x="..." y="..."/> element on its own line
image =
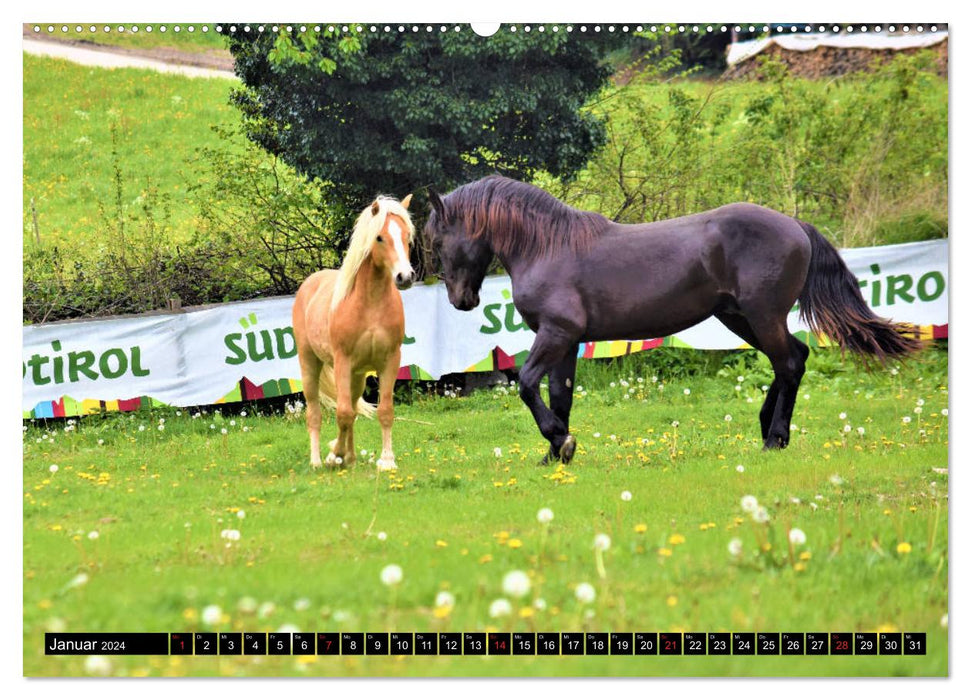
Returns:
<point x="351" y="321"/>
<point x="578" y="276"/>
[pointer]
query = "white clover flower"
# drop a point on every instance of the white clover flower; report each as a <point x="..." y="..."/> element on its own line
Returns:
<point x="93" y="535"/>
<point x="797" y="536"/>
<point x="444" y="599"/>
<point x="497" y="452"/>
<point x="735" y="547"/>
<point x="516" y="584"/>
<point x="545" y="515"/>
<point x="601" y="542"/>
<point x="626" y="495"/>
<point x="585" y="593"/>
<point x="500" y="607"/>
<point x="750" y="503"/>
<point x="391" y="575"/>
<point x="761" y="515"/>
<point x="97" y="666"/>
<point x="382" y="536"/>
<point x="211" y="615"/>
<point x="53" y="468"/>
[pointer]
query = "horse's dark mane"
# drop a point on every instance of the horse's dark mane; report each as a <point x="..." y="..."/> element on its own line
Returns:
<point x="520" y="218"/>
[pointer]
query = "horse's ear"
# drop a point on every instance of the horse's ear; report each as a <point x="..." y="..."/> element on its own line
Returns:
<point x="375" y="208"/>
<point x="406" y="201"/>
<point x="436" y="202"/>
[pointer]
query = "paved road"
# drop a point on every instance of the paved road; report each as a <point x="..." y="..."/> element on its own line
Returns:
<point x="105" y="59"/>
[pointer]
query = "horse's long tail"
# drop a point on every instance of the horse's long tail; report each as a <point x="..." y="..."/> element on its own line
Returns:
<point x="831" y="304"/>
<point x="327" y="389"/>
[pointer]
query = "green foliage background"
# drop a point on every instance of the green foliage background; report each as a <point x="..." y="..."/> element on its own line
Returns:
<point x="139" y="187"/>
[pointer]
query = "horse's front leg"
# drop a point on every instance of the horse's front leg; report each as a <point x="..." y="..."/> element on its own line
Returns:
<point x="349" y="389"/>
<point x="386" y="380"/>
<point x="562" y="380"/>
<point x="549" y="349"/>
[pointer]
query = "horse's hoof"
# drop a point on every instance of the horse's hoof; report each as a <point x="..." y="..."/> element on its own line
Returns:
<point x="314" y="463"/>
<point x="386" y="464"/>
<point x="775" y="443"/>
<point x="547" y="458"/>
<point x="567" y="449"/>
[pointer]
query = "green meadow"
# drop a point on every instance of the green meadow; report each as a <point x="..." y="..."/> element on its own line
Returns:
<point x="211" y="520"/>
<point x="87" y="129"/>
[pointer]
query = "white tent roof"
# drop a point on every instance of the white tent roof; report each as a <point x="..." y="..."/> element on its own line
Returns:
<point x="744" y="50"/>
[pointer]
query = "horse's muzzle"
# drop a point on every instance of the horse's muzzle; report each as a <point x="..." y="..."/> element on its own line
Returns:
<point x="403" y="280"/>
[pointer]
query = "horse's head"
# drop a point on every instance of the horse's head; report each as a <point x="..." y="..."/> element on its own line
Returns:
<point x="464" y="260"/>
<point x="391" y="247"/>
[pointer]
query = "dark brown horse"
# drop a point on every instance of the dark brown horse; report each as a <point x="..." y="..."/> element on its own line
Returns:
<point x="578" y="276"/>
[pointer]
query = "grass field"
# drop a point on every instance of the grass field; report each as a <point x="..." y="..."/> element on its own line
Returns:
<point x="136" y="527"/>
<point x="81" y="123"/>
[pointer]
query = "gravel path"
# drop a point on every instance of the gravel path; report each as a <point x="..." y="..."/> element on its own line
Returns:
<point x="107" y="59"/>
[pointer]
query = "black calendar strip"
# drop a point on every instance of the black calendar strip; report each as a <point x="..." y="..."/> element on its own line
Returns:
<point x="490" y="644"/>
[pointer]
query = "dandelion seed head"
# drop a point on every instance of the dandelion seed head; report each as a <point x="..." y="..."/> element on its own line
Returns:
<point x="626" y="495"/>
<point x="601" y="542"/>
<point x="444" y="599"/>
<point x="97" y="666"/>
<point x="500" y="607"/>
<point x="739" y="468"/>
<point x="516" y="584"/>
<point x="735" y="547"/>
<point x="797" y="536"/>
<point x="212" y="615"/>
<point x="585" y="593"/>
<point x="53" y="468"/>
<point x="545" y="515"/>
<point x="391" y="575"/>
<point x="750" y="503"/>
<point x="761" y="515"/>
<point x="382" y="536"/>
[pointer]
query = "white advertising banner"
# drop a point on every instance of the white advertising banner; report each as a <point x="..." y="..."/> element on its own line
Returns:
<point x="246" y="350"/>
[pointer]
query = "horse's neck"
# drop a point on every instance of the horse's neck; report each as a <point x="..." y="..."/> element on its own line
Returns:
<point x="371" y="283"/>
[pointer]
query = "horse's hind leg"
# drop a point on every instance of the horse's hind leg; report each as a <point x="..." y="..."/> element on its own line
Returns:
<point x="562" y="379"/>
<point x="788" y="357"/>
<point x="310" y="366"/>
<point x="740" y="327"/>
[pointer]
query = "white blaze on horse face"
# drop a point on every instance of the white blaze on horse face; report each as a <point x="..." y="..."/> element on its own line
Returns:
<point x="402" y="265"/>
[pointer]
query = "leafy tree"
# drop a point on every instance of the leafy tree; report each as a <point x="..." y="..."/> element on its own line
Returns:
<point x="374" y="112"/>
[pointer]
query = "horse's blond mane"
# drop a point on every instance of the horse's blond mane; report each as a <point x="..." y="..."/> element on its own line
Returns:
<point x="366" y="229"/>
